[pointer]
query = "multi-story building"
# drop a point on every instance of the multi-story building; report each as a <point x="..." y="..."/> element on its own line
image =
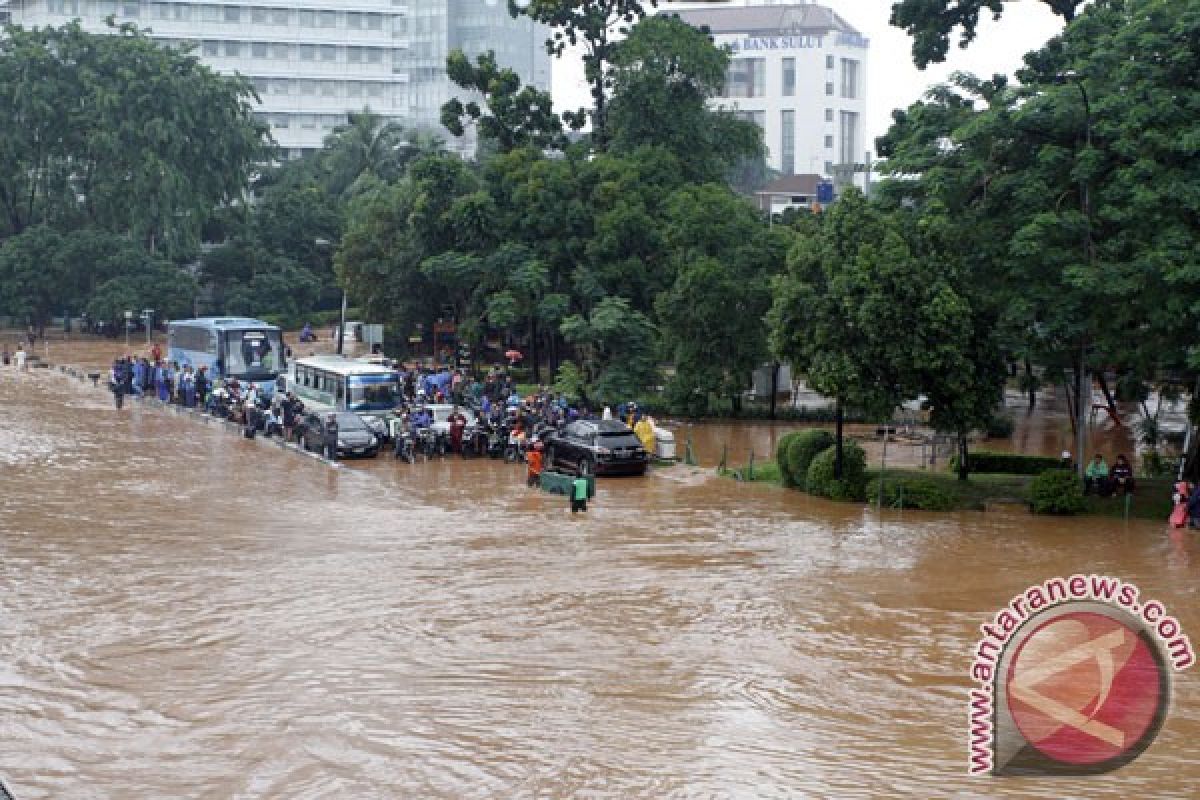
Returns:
<point x="798" y="71"/>
<point x="312" y="61"/>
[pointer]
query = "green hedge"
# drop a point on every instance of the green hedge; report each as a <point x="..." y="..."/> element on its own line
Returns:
<point x="853" y="483"/>
<point x="781" y="448"/>
<point x="803" y="449"/>
<point x="1056" y="491"/>
<point x="906" y="491"/>
<point x="1006" y="463"/>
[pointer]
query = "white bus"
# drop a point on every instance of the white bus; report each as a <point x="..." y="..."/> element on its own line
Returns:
<point x="337" y="383"/>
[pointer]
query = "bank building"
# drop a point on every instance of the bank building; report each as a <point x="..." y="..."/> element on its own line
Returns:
<point x="312" y="61"/>
<point x="798" y="71"/>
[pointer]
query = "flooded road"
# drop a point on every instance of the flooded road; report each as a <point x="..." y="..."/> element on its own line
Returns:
<point x="187" y="614"/>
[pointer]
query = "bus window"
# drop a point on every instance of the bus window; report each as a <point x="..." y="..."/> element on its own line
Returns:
<point x="341" y="390"/>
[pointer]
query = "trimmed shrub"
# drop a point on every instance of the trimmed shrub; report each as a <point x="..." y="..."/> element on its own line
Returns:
<point x="906" y="491"/>
<point x="781" y="448"/>
<point x="1006" y="463"/>
<point x="802" y="450"/>
<point x="853" y="483"/>
<point x="1056" y="491"/>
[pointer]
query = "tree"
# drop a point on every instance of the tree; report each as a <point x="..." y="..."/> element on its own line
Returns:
<point x="32" y="281"/>
<point x="616" y="348"/>
<point x="116" y="132"/>
<point x="515" y="116"/>
<point x="367" y="150"/>
<point x="930" y="22"/>
<point x="861" y="316"/>
<point x="147" y="283"/>
<point x="596" y="26"/>
<point x="663" y="75"/>
<point x="711" y="317"/>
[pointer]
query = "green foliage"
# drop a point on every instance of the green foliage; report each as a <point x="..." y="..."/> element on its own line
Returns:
<point x="1000" y="426"/>
<point x="930" y="22"/>
<point x="569" y="381"/>
<point x="616" y="348"/>
<point x="515" y="117"/>
<point x="781" y="448"/>
<point x="114" y="131"/>
<point x="1007" y="463"/>
<point x="149" y="283"/>
<point x="852" y="485"/>
<point x="664" y="74"/>
<point x="908" y="491"/>
<point x="1056" y="491"/>
<point x="596" y="27"/>
<point x="801" y="451"/>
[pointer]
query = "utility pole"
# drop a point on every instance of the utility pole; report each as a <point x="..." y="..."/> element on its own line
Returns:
<point x="1084" y="386"/>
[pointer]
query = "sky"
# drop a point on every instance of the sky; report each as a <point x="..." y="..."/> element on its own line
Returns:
<point x="892" y="80"/>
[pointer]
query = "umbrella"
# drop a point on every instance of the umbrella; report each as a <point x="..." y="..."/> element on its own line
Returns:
<point x="513" y="355"/>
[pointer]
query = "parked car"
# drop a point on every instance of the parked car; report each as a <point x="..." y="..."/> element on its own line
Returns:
<point x="441" y="415"/>
<point x="354" y="437"/>
<point x="597" y="447"/>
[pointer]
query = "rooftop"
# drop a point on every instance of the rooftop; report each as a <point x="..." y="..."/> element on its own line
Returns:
<point x="766" y="19"/>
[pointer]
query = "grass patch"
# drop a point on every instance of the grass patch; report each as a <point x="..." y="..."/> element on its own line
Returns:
<point x="764" y="472"/>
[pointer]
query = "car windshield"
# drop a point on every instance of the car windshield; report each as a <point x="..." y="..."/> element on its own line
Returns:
<point x="617" y="439"/>
<point x="350" y="422"/>
<point x="372" y="392"/>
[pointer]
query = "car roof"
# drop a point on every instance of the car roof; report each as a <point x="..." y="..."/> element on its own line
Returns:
<point x="606" y="425"/>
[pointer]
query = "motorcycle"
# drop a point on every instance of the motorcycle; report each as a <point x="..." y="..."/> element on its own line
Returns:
<point x="406" y="448"/>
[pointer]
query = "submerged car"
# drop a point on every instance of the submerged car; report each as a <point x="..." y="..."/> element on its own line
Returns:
<point x="597" y="447"/>
<point x="354" y="437"/>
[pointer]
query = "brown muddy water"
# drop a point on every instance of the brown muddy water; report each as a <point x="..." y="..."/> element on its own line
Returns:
<point x="187" y="614"/>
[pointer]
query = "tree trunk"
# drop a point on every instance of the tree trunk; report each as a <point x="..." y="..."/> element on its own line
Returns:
<point x="839" y="420"/>
<point x="774" y="385"/>
<point x="1030" y="386"/>
<point x="533" y="349"/>
<point x="1108" y="396"/>
<point x="964" y="467"/>
<point x="1070" y="403"/>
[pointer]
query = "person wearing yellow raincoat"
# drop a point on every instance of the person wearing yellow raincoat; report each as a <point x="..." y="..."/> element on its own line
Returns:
<point x="644" y="430"/>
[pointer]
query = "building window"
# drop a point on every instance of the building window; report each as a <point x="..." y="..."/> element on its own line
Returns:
<point x="829" y="88"/>
<point x="327" y="19"/>
<point x="131" y="9"/>
<point x="375" y="22"/>
<point x="279" y="52"/>
<point x="212" y="48"/>
<point x="849" y="78"/>
<point x="233" y="49"/>
<point x="789" y="77"/>
<point x="280" y="17"/>
<point x="354" y="55"/>
<point x="258" y="49"/>
<point x="829" y="141"/>
<point x="787" y="142"/>
<point x="306" y="19"/>
<point x="828" y="167"/>
<point x="354" y="21"/>
<point x="829" y="115"/>
<point x="308" y="52"/>
<point x="328" y="52"/>
<point x="759" y="118"/>
<point x="747" y="77"/>
<point x="259" y="15"/>
<point x="849" y="136"/>
<point x="233" y="14"/>
<point x="828" y="62"/>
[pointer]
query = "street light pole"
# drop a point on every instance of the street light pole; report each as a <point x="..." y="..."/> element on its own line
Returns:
<point x="342" y="325"/>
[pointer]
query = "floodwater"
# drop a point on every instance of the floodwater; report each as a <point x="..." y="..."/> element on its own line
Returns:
<point x="187" y="614"/>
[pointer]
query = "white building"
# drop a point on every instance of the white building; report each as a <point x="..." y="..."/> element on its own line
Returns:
<point x="799" y="72"/>
<point x="311" y="61"/>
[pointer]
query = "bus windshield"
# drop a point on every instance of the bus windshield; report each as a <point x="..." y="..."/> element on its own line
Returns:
<point x="372" y="392"/>
<point x="253" y="354"/>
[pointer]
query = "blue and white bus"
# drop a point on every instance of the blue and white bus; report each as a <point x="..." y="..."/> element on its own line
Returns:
<point x="249" y="350"/>
<point x="337" y="383"/>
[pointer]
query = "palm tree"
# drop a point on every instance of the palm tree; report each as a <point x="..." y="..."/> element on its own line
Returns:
<point x="370" y="149"/>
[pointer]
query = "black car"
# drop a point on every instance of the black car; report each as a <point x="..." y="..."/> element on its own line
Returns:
<point x="354" y="437"/>
<point x="597" y="447"/>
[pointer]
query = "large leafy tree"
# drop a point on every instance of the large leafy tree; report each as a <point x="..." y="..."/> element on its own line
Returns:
<point x="515" y="116"/>
<point x="116" y="132"/>
<point x="596" y="26"/>
<point x="663" y="75"/>
<point x="931" y="22"/>
<point x="712" y="315"/>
